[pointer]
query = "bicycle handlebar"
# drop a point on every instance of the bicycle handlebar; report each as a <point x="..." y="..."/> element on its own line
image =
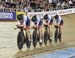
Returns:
<point x="18" y="28"/>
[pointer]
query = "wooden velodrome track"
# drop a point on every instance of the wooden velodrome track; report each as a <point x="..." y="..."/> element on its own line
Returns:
<point x="8" y="39"/>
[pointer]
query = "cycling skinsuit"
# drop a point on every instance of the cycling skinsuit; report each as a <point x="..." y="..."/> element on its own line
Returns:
<point x="49" y="21"/>
<point x="38" y="21"/>
<point x="59" y="21"/>
<point x="26" y="22"/>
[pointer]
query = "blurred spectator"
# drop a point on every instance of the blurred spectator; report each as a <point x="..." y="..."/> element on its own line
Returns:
<point x="50" y="1"/>
<point x="70" y="3"/>
<point x="73" y="2"/>
<point x="20" y="4"/>
<point x="33" y="5"/>
<point x="27" y="8"/>
<point x="54" y="3"/>
<point x="37" y="5"/>
<point x="1" y="7"/>
<point x="64" y="5"/>
<point x="2" y="0"/>
<point x="58" y="4"/>
<point x="10" y="5"/>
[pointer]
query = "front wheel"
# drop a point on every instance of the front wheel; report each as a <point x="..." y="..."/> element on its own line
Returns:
<point x="50" y="40"/>
<point x="28" y="41"/>
<point x="45" y="37"/>
<point x="56" y="35"/>
<point x="35" y="38"/>
<point x="40" y="39"/>
<point x="20" y="40"/>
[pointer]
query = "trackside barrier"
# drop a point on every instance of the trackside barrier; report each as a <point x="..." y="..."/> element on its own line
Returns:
<point x="52" y="13"/>
<point x="7" y="16"/>
<point x="13" y="15"/>
<point x="10" y="15"/>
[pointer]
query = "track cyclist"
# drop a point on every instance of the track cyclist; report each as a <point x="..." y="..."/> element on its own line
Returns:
<point x="27" y="30"/>
<point x="20" y="36"/>
<point x="58" y="23"/>
<point x="38" y="24"/>
<point x="48" y="21"/>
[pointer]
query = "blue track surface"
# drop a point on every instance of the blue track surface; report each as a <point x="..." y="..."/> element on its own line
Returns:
<point x="66" y="53"/>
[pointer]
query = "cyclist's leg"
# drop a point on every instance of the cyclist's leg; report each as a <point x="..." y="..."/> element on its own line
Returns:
<point x="41" y="34"/>
<point x="50" y="40"/>
<point x="56" y="35"/>
<point x="50" y="26"/>
<point x="60" y="30"/>
<point x="49" y="29"/>
<point x="59" y="36"/>
<point x="28" y="34"/>
<point x="28" y="38"/>
<point x="28" y="30"/>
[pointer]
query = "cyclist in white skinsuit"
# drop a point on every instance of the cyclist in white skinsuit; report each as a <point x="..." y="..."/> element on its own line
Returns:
<point x="49" y="18"/>
<point x="58" y="23"/>
<point x="38" y="24"/>
<point x="37" y="21"/>
<point x="48" y="21"/>
<point x="24" y="22"/>
<point x="27" y="26"/>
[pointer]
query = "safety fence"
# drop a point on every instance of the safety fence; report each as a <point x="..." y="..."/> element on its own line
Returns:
<point x="13" y="15"/>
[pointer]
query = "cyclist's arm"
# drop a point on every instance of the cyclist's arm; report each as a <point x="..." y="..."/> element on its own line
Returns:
<point x="24" y="23"/>
<point x="56" y="24"/>
<point x="25" y="19"/>
<point x="19" y="24"/>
